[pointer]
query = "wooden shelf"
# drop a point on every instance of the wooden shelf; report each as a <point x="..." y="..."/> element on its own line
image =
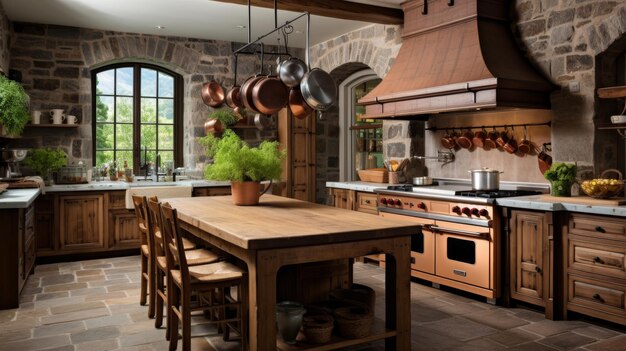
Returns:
<point x="379" y="332"/>
<point x="243" y="126"/>
<point x="366" y="126"/>
<point x="612" y="92"/>
<point x="52" y="125"/>
<point x="611" y="126"/>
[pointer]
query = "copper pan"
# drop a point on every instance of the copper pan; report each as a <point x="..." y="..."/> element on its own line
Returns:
<point x="270" y="95"/>
<point x="299" y="108"/>
<point x="213" y="94"/>
<point x="246" y="92"/>
<point x="233" y="98"/>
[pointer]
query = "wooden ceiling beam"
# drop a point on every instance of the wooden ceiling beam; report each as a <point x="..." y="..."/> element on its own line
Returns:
<point x="333" y="8"/>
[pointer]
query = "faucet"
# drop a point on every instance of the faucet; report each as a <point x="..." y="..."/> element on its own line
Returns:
<point x="145" y="165"/>
<point x="157" y="165"/>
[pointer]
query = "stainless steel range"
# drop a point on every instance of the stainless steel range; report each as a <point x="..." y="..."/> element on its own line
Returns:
<point x="459" y="241"/>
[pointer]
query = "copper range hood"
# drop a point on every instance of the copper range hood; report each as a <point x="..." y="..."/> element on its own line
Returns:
<point x="457" y="56"/>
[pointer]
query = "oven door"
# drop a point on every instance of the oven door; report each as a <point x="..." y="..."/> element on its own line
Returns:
<point x="422" y="243"/>
<point x="464" y="253"/>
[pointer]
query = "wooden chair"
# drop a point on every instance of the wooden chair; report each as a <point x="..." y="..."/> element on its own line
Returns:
<point x="194" y="256"/>
<point x="205" y="281"/>
<point x="147" y="261"/>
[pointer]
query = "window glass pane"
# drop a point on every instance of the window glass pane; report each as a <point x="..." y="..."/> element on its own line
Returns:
<point x="151" y="156"/>
<point x="124" y="81"/>
<point x="148" y="110"/>
<point x="124" y="136"/>
<point x="124" y="106"/>
<point x="103" y="157"/>
<point x="124" y="155"/>
<point x="166" y="137"/>
<point x="148" y="82"/>
<point x="104" y="108"/>
<point x="166" y="111"/>
<point x="105" y="81"/>
<point x="167" y="158"/>
<point x="104" y="136"/>
<point x="148" y="136"/>
<point x="166" y="85"/>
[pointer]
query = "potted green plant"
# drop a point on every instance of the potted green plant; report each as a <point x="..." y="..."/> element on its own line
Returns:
<point x="244" y="166"/>
<point x="219" y="120"/>
<point x="13" y="107"/>
<point x="45" y="161"/>
<point x="561" y="176"/>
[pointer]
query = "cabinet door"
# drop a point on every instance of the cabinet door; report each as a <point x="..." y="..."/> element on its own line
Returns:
<point x="340" y="198"/>
<point x="45" y="227"/>
<point x="123" y="231"/>
<point x="81" y="222"/>
<point x="528" y="239"/>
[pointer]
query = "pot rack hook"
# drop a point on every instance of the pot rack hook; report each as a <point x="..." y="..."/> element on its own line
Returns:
<point x="308" y="35"/>
<point x="249" y="21"/>
<point x="450" y="2"/>
<point x="275" y="13"/>
<point x="425" y="8"/>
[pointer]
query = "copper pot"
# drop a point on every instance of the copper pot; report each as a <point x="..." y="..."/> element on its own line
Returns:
<point x="212" y="94"/>
<point x="524" y="145"/>
<point x="262" y="121"/>
<point x="544" y="160"/>
<point x="246" y="92"/>
<point x="233" y="98"/>
<point x="270" y="95"/>
<point x="448" y="141"/>
<point x="479" y="138"/>
<point x="299" y="108"/>
<point x="490" y="141"/>
<point x="213" y="126"/>
<point x="465" y="140"/>
<point x="247" y="193"/>
<point x="503" y="138"/>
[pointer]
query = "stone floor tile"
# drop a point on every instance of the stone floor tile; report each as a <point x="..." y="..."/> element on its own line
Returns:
<point x="105" y="296"/>
<point x="121" y="287"/>
<point x="57" y="279"/>
<point x="481" y="344"/>
<point x="432" y="340"/>
<point x="77" y="307"/>
<point x="88" y="291"/>
<point x="98" y="345"/>
<point x="61" y="328"/>
<point x="123" y="270"/>
<point x="52" y="295"/>
<point x="36" y="344"/>
<point x="140" y="327"/>
<point x="462" y="309"/>
<point x="88" y="272"/>
<point x="64" y="287"/>
<point x="548" y="328"/>
<point x="59" y="302"/>
<point x="617" y="343"/>
<point x="531" y="346"/>
<point x="528" y="315"/>
<point x="95" y="334"/>
<point x="108" y="282"/>
<point x="426" y="314"/>
<point x="7" y="315"/>
<point x="62" y="348"/>
<point x="145" y="337"/>
<point x="597" y="333"/>
<point x="116" y="320"/>
<point x="97" y="265"/>
<point x="74" y="316"/>
<point x="15" y="335"/>
<point x="498" y="319"/>
<point x="566" y="341"/>
<point x="459" y="328"/>
<point x="513" y="337"/>
<point x="91" y="278"/>
<point x="32" y="290"/>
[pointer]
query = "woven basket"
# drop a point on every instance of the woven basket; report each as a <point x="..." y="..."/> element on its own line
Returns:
<point x="354" y="322"/>
<point x="604" y="191"/>
<point x="318" y="329"/>
<point x="374" y="175"/>
<point x="358" y="294"/>
<point x="327" y="306"/>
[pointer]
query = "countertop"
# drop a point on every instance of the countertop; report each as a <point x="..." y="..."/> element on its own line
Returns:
<point x="18" y="198"/>
<point x="119" y="185"/>
<point x="358" y="186"/>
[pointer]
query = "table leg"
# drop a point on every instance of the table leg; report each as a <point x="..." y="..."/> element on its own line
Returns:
<point x="262" y="303"/>
<point x="398" y="284"/>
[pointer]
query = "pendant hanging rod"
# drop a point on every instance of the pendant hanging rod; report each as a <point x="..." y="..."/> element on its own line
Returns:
<point x="275" y="13"/>
<point x="434" y="129"/>
<point x="241" y="49"/>
<point x="249" y="21"/>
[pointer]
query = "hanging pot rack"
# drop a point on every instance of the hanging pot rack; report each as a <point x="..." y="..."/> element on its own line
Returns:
<point x="434" y="129"/>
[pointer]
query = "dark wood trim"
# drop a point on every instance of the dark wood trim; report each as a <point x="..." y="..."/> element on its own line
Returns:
<point x="332" y="8"/>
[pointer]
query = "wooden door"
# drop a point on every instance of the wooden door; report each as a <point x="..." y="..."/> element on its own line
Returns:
<point x="81" y="222"/>
<point x="123" y="231"/>
<point x="297" y="138"/>
<point x="527" y="246"/>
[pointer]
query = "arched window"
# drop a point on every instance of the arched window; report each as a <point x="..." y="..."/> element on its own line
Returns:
<point x="137" y="114"/>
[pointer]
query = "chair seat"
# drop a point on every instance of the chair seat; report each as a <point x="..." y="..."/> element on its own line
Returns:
<point x="187" y="244"/>
<point x="194" y="258"/>
<point x="145" y="250"/>
<point x="210" y="273"/>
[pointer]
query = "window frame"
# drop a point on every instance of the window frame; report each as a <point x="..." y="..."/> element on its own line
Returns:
<point x="178" y="110"/>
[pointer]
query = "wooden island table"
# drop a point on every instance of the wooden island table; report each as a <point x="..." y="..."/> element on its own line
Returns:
<point x="282" y="231"/>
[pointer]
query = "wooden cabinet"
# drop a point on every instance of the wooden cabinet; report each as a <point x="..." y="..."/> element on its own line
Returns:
<point x="297" y="138"/>
<point x="596" y="266"/>
<point x="340" y="198"/>
<point x="45" y="224"/>
<point x="211" y="191"/>
<point x="366" y="202"/>
<point x="122" y="223"/>
<point x="81" y="226"/>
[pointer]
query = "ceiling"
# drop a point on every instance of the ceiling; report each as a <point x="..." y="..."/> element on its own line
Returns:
<point x="202" y="19"/>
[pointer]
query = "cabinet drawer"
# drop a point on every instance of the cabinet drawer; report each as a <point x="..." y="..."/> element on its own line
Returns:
<point x="366" y="202"/>
<point x="29" y="258"/>
<point x="596" y="294"/>
<point x="597" y="226"/>
<point x="598" y="259"/>
<point x="117" y="199"/>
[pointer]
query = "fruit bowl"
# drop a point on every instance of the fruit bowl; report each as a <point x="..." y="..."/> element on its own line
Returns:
<point x="602" y="187"/>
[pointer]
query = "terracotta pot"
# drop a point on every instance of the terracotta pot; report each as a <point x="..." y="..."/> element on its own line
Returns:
<point x="247" y="193"/>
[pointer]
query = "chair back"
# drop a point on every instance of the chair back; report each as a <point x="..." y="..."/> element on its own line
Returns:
<point x="173" y="241"/>
<point x="154" y="219"/>
<point x="141" y="213"/>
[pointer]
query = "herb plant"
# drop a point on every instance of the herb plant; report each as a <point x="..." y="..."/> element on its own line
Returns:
<point x="562" y="172"/>
<point x="235" y="160"/>
<point x="13" y="106"/>
<point x="44" y="161"/>
<point x="225" y="115"/>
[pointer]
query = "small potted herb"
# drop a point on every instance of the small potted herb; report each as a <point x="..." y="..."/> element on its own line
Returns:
<point x="45" y="161"/>
<point x="13" y="107"/>
<point x="244" y="166"/>
<point x="561" y="176"/>
<point x="219" y="120"/>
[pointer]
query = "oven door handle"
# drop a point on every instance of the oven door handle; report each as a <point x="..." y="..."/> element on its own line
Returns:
<point x="440" y="230"/>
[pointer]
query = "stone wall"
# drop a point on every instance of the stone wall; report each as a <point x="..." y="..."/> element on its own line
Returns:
<point x="56" y="62"/>
<point x="4" y="41"/>
<point x="562" y="38"/>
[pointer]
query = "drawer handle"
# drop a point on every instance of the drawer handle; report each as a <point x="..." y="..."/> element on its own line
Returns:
<point x="597" y="260"/>
<point x="367" y="201"/>
<point x="537" y="269"/>
<point x="598" y="297"/>
<point x="600" y="229"/>
<point x="412" y="260"/>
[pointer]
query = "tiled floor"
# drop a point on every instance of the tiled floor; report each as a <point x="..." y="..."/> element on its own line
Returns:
<point x="94" y="305"/>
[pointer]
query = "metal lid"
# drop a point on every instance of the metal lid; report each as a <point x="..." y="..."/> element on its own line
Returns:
<point x="485" y="170"/>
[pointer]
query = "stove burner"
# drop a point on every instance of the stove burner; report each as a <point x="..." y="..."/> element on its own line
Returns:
<point x="402" y="187"/>
<point x="497" y="193"/>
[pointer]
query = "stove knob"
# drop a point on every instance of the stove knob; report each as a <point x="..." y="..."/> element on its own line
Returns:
<point x="475" y="212"/>
<point x="383" y="201"/>
<point x="483" y="213"/>
<point x="466" y="211"/>
<point x="398" y="202"/>
<point x="421" y="205"/>
<point x="456" y="209"/>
